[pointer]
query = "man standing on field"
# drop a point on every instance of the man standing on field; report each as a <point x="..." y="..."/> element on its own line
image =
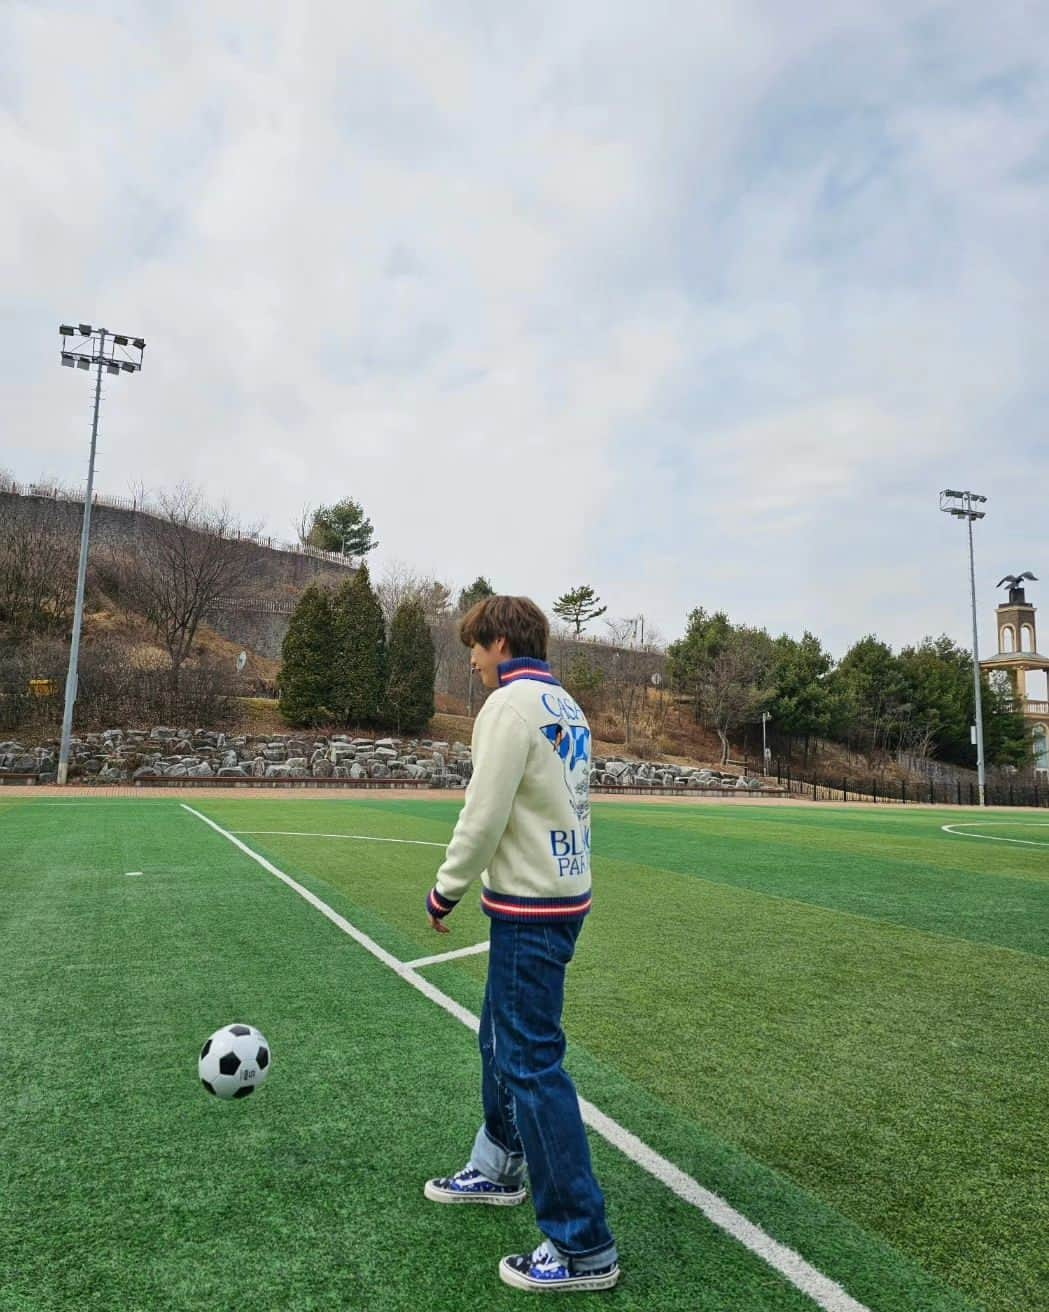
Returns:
<point x="525" y="830"/>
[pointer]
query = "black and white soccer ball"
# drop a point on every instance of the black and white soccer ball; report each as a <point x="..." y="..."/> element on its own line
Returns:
<point x="234" y="1061"/>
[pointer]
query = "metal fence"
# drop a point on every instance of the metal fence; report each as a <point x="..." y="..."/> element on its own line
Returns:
<point x="930" y="792"/>
<point x="142" y="506"/>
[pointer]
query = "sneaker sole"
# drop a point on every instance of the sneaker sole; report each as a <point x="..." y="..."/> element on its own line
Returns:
<point x="514" y="1278"/>
<point x="436" y="1195"/>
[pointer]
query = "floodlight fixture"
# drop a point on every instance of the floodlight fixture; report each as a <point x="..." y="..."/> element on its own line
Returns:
<point x="963" y="509"/>
<point x="102" y="354"/>
<point x="139" y="344"/>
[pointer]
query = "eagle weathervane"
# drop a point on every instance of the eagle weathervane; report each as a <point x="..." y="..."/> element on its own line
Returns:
<point x="1016" y="585"/>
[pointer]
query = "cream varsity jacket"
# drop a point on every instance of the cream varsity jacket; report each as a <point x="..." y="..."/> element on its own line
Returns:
<point x="525" y="825"/>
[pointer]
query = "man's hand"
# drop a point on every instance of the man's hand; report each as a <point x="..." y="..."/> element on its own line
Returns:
<point x="440" y="926"/>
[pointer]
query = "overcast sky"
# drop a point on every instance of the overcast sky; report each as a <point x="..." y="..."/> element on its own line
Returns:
<point x="699" y="304"/>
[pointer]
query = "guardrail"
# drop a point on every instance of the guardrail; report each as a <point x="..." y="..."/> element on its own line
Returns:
<point x="142" y="506"/>
<point x="260" y="605"/>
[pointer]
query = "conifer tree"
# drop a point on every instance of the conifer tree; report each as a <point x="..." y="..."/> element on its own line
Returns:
<point x="409" y="691"/>
<point x="305" y="680"/>
<point x="360" y="663"/>
<point x="477" y="591"/>
<point x="579" y="606"/>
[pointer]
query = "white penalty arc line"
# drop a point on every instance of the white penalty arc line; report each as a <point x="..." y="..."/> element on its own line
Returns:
<point x="957" y="828"/>
<point x="791" y="1265"/>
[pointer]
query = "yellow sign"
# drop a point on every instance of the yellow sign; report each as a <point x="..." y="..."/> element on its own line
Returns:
<point x="43" y="687"/>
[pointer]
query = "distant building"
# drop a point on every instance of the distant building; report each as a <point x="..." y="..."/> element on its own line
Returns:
<point x="1018" y="658"/>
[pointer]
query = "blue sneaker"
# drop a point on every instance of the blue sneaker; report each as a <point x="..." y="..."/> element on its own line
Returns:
<point x="545" y="1272"/>
<point x="470" y="1186"/>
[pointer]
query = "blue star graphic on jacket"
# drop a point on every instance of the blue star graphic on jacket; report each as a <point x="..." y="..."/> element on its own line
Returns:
<point x="571" y="742"/>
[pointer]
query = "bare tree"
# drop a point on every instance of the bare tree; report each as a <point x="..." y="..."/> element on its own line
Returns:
<point x="400" y="583"/>
<point x="737" y="682"/>
<point x="39" y="548"/>
<point x="304" y="524"/>
<point x="190" y="554"/>
<point x="628" y="673"/>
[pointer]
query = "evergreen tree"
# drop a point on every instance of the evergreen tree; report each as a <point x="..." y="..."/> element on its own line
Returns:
<point x="342" y="527"/>
<point x="872" y="695"/>
<point x="690" y="658"/>
<point x="409" y="690"/>
<point x="579" y="607"/>
<point x="584" y="681"/>
<point x="477" y="591"/>
<point x="1006" y="740"/>
<point x="360" y="664"/>
<point x="802" y="703"/>
<point x="308" y="655"/>
<point x="939" y="679"/>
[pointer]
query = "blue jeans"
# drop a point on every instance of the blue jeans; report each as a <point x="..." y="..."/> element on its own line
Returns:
<point x="531" y="1110"/>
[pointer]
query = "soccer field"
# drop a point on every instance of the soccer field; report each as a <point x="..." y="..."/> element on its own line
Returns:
<point x="814" y="1043"/>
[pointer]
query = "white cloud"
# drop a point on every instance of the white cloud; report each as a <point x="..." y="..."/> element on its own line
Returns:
<point x="700" y="306"/>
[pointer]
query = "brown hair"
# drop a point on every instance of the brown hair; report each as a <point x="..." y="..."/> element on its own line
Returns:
<point x="517" y="619"/>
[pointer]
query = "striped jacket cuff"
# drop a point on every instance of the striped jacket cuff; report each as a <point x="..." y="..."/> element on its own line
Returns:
<point x="438" y="906"/>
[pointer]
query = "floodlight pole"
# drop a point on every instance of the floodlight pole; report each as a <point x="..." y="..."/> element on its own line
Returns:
<point x="102" y="361"/>
<point x="965" y="511"/>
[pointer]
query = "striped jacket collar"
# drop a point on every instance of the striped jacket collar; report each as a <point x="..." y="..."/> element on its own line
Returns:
<point x="524" y="667"/>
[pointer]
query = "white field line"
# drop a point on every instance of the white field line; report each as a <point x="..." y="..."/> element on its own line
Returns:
<point x="791" y="1265"/>
<point x="360" y="838"/>
<point x="956" y="829"/>
<point x="447" y="956"/>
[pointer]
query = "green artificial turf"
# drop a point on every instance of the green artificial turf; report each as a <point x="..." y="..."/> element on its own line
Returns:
<point x="834" y="1018"/>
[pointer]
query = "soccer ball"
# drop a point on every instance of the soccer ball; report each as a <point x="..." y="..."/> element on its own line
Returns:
<point x="234" y="1061"/>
